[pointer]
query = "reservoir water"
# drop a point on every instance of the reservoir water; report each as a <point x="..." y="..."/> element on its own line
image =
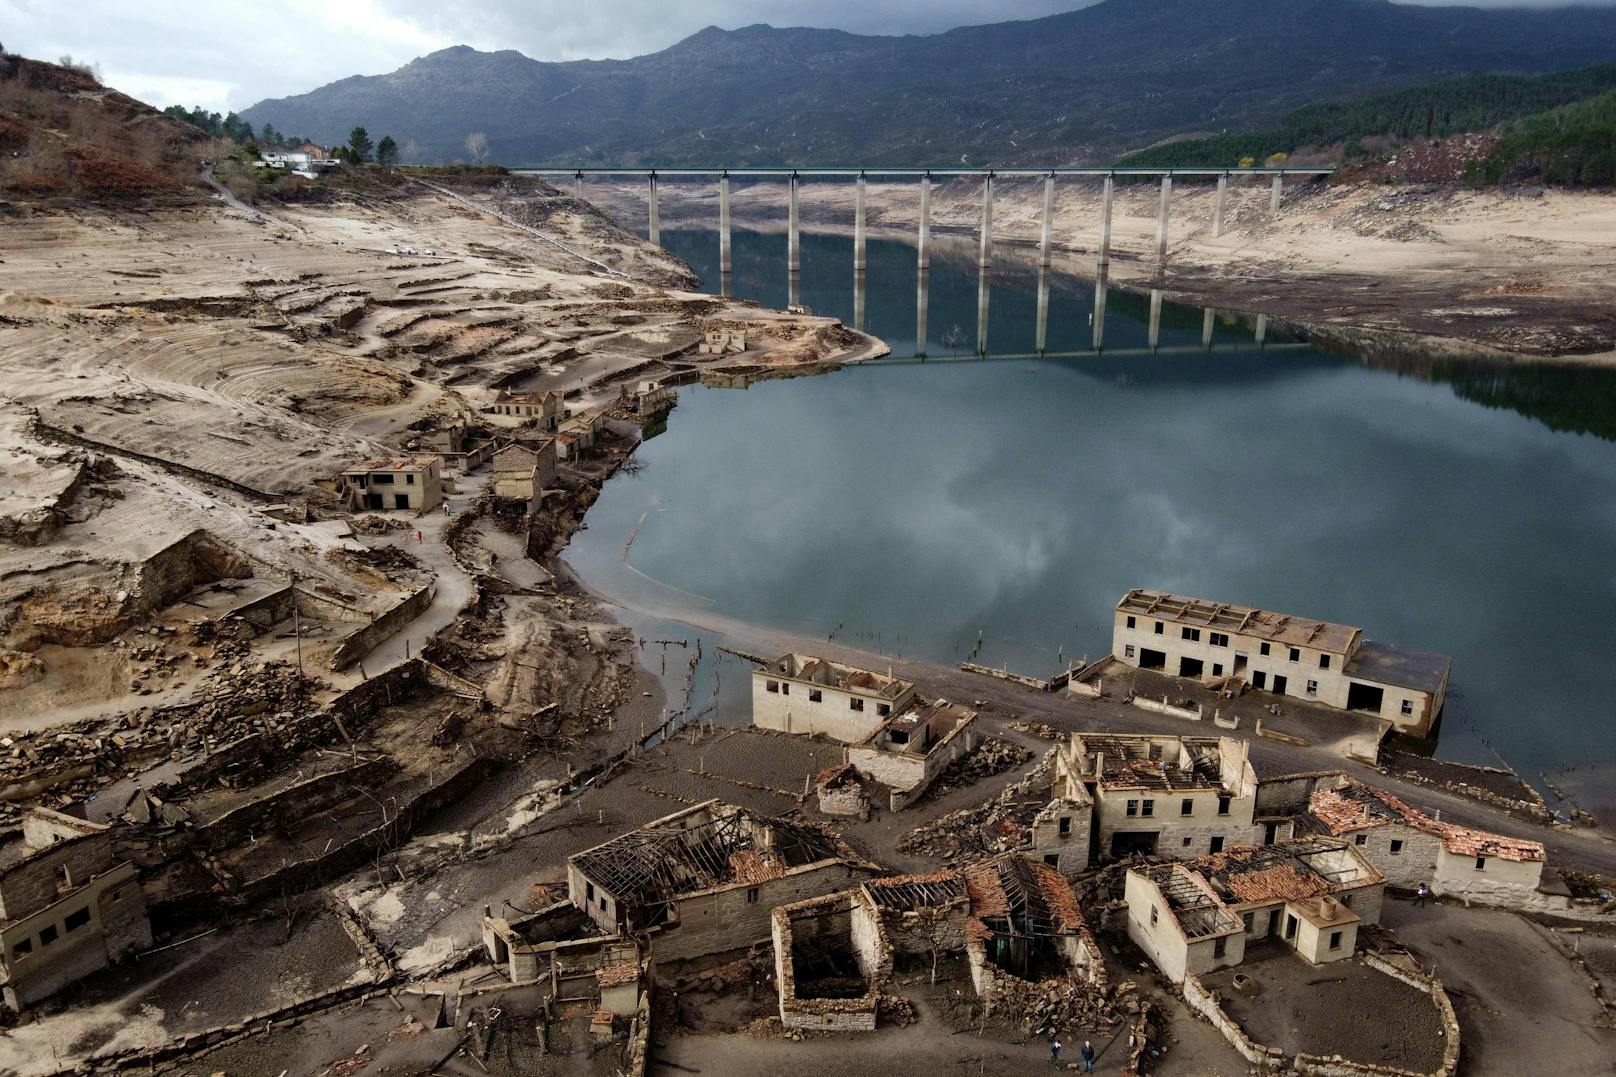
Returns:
<point x="915" y="508"/>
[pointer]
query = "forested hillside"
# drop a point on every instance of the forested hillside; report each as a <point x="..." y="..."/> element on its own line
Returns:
<point x="1350" y="129"/>
<point x="1574" y="146"/>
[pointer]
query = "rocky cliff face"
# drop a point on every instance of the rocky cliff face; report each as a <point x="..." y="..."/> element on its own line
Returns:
<point x="1083" y="86"/>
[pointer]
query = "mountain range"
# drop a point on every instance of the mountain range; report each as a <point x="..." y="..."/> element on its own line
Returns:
<point x="1081" y="87"/>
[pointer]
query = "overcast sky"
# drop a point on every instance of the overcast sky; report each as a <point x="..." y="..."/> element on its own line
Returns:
<point x="228" y="54"/>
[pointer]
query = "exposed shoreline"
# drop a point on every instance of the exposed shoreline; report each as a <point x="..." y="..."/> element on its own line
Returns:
<point x="1498" y="275"/>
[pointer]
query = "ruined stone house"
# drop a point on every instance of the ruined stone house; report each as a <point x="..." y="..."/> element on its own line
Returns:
<point x="411" y="483"/>
<point x="799" y="693"/>
<point x="831" y="957"/>
<point x="545" y="410"/>
<point x="460" y="452"/>
<point x="68" y="906"/>
<point x="722" y="342"/>
<point x="1016" y="921"/>
<point x="1299" y="657"/>
<point x="1161" y="794"/>
<point x="522" y="472"/>
<point x="1311" y="895"/>
<point x="648" y="396"/>
<point x="910" y="749"/>
<point x="579" y="434"/>
<point x="1409" y="847"/>
<point x="706" y="879"/>
<point x="1026" y="934"/>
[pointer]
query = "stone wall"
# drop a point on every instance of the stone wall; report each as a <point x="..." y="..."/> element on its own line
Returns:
<point x="31" y="884"/>
<point x="296" y="801"/>
<point x="185" y="564"/>
<point x="1205" y="1003"/>
<point x="727" y="919"/>
<point x="261" y="614"/>
<point x="850" y="916"/>
<point x="361" y="642"/>
<point x="1161" y="706"/>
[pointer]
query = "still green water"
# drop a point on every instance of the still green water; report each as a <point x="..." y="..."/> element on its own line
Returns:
<point x="910" y="508"/>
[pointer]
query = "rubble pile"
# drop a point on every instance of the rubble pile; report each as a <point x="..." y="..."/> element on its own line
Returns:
<point x="1061" y="1005"/>
<point x="1000" y="825"/>
<point x="992" y="756"/>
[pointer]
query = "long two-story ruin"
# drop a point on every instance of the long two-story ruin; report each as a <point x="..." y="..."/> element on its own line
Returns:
<point x="1298" y="657"/>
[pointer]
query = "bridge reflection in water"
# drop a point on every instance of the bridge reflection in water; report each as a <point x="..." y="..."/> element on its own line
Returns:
<point x="1102" y="286"/>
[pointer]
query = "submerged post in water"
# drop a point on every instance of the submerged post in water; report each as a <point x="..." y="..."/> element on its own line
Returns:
<point x="984" y="254"/>
<point x="1105" y="223"/>
<point x="1208" y="320"/>
<point x="1161" y="221"/>
<point x="1048" y="237"/>
<point x="858" y="225"/>
<point x="922" y="305"/>
<point x="1155" y="318"/>
<point x="923" y="249"/>
<point x="1223" y="202"/>
<point x="725" y="265"/>
<point x="1043" y="310"/>
<point x="1262" y="329"/>
<point x="655" y="225"/>
<point x="793" y="235"/>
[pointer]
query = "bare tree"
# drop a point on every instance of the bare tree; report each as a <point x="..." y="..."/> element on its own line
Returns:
<point x="477" y="146"/>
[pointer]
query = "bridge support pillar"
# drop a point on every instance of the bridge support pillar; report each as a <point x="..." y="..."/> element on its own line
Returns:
<point x="922" y="308"/>
<point x="1209" y="319"/>
<point x="1161" y="222"/>
<point x="984" y="254"/>
<point x="923" y="249"/>
<point x="1262" y="329"/>
<point x="1097" y="319"/>
<point x="793" y="232"/>
<point x="1279" y="192"/>
<point x="1042" y="342"/>
<point x="655" y="230"/>
<point x="858" y="225"/>
<point x="1155" y="318"/>
<point x="858" y="299"/>
<point x="1046" y="240"/>
<point x="1105" y="222"/>
<point x="984" y="288"/>
<point x="578" y="186"/>
<point x="1223" y="202"/>
<point x="725" y="264"/>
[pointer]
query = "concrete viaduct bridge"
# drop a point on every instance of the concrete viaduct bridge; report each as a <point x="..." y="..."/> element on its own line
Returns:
<point x="860" y="175"/>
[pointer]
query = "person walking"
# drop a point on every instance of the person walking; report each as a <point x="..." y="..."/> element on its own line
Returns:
<point x="1088" y="1057"/>
<point x="1421" y="893"/>
<point x="420" y="537"/>
<point x="1054" y="1053"/>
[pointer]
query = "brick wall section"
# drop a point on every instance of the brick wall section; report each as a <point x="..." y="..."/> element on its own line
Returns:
<point x="260" y="615"/>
